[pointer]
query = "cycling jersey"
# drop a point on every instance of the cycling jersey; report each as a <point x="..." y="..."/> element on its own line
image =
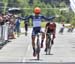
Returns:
<point x="36" y="22"/>
<point x="50" y="27"/>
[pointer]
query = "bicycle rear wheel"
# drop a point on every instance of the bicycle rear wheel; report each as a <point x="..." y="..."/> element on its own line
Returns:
<point x="38" y="53"/>
<point x="48" y="45"/>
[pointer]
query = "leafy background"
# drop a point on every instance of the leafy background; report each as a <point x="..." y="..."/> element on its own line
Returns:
<point x="49" y="8"/>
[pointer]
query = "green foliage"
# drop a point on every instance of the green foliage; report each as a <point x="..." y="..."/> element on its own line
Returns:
<point x="47" y="8"/>
<point x="73" y="20"/>
<point x="62" y="4"/>
<point x="22" y="24"/>
<point x="72" y="23"/>
<point x="43" y="24"/>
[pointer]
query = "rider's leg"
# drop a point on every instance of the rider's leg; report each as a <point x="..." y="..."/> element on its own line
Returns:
<point x="33" y="45"/>
<point x="26" y="29"/>
<point x="53" y="38"/>
<point x="33" y="42"/>
<point x="43" y="36"/>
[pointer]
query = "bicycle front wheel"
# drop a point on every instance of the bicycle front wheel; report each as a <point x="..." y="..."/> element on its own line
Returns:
<point x="48" y="46"/>
<point x="38" y="50"/>
<point x="38" y="54"/>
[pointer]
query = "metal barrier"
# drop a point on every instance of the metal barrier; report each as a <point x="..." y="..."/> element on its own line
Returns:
<point x="1" y="34"/>
<point x="4" y="32"/>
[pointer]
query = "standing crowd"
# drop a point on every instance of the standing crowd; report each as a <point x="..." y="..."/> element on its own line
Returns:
<point x="9" y="25"/>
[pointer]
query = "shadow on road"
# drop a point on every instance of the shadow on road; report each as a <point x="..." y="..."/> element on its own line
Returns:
<point x="35" y="60"/>
<point x="49" y="54"/>
<point x="3" y="44"/>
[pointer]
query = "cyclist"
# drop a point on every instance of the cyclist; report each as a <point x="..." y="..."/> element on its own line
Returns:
<point x="36" y="21"/>
<point x="50" y="28"/>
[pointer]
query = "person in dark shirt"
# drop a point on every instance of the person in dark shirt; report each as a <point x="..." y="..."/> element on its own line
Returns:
<point x="26" y="26"/>
<point x="17" y="26"/>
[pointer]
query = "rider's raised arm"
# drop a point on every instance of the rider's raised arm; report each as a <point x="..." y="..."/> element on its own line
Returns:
<point x="48" y="18"/>
<point x="26" y="18"/>
<point x="52" y="17"/>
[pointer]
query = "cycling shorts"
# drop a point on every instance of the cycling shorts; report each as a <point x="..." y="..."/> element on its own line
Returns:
<point x="36" y="30"/>
<point x="51" y="31"/>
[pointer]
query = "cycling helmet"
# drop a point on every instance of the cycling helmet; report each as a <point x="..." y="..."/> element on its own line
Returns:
<point x="37" y="10"/>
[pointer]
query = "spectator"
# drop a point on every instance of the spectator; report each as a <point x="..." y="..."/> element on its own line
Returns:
<point x="17" y="26"/>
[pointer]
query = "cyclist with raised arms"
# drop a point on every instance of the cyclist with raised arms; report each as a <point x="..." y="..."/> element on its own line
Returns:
<point x="36" y="21"/>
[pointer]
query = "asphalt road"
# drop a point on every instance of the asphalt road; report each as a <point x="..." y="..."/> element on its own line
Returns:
<point x="19" y="50"/>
